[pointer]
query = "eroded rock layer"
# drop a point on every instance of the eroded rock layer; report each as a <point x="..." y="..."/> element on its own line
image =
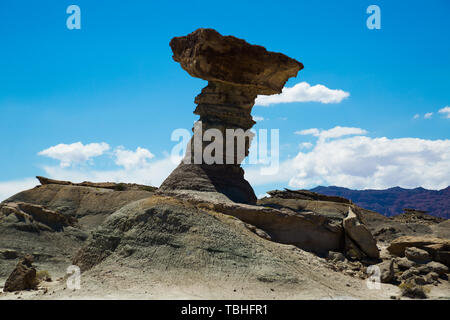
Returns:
<point x="237" y="73"/>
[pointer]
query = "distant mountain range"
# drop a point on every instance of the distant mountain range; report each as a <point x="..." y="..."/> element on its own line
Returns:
<point x="392" y="201"/>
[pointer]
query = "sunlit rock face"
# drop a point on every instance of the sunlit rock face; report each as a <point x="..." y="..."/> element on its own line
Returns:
<point x="237" y="73"/>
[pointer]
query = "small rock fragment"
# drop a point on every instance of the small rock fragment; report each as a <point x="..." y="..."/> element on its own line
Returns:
<point x="386" y="271"/>
<point x="23" y="276"/>
<point x="335" y="256"/>
<point x="404" y="263"/>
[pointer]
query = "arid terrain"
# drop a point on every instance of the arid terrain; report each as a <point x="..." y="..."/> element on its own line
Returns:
<point x="203" y="234"/>
<point x="137" y="244"/>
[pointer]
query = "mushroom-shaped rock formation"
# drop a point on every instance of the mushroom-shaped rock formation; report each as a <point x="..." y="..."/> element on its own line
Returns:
<point x="236" y="72"/>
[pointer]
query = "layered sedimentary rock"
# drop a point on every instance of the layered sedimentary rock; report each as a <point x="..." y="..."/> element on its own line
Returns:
<point x="103" y="185"/>
<point x="34" y="218"/>
<point x="236" y="73"/>
<point x="339" y="215"/>
<point x="360" y="234"/>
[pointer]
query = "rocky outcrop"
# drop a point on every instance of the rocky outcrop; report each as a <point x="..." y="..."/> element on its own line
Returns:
<point x="351" y="249"/>
<point x="433" y="267"/>
<point x="437" y="248"/>
<point x="335" y="211"/>
<point x="356" y="239"/>
<point x="306" y="229"/>
<point x="417" y="216"/>
<point x="169" y="232"/>
<point x="90" y="205"/>
<point x="53" y="220"/>
<point x="306" y="195"/>
<point x="419" y="274"/>
<point x="441" y="230"/>
<point x="236" y="73"/>
<point x="31" y="217"/>
<point x="417" y="255"/>
<point x="103" y="185"/>
<point x="413" y="266"/>
<point x="23" y="277"/>
<point x="360" y="235"/>
<point x="387" y="272"/>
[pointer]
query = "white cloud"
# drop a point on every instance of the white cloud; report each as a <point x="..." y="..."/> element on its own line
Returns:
<point x="306" y="132"/>
<point x="416" y="116"/>
<point x="362" y="162"/>
<point x="304" y="92"/>
<point x="258" y="118"/>
<point x="133" y="166"/>
<point x="153" y="173"/>
<point x="306" y="145"/>
<point x="428" y="115"/>
<point x="335" y="132"/>
<point x="132" y="159"/>
<point x="9" y="188"/>
<point x="69" y="154"/>
<point x="445" y="111"/>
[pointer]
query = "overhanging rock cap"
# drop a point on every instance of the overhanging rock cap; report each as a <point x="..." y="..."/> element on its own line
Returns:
<point x="208" y="55"/>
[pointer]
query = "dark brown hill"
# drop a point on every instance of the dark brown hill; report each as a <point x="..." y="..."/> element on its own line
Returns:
<point x="393" y="201"/>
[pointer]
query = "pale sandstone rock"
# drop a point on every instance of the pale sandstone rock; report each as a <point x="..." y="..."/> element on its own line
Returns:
<point x="361" y="235"/>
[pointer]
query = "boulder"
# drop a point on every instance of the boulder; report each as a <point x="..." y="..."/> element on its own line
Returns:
<point x="412" y="290"/>
<point x="420" y="280"/>
<point x="360" y="234"/>
<point x="351" y="250"/>
<point x="386" y="271"/>
<point x="23" y="277"/>
<point x="417" y="255"/>
<point x="397" y="247"/>
<point x="435" y="267"/>
<point x="443" y="257"/>
<point x="404" y="264"/>
<point x="437" y="248"/>
<point x="410" y="273"/>
<point x="432" y="277"/>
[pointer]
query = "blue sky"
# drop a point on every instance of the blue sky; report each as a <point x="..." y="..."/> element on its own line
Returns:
<point x="114" y="81"/>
